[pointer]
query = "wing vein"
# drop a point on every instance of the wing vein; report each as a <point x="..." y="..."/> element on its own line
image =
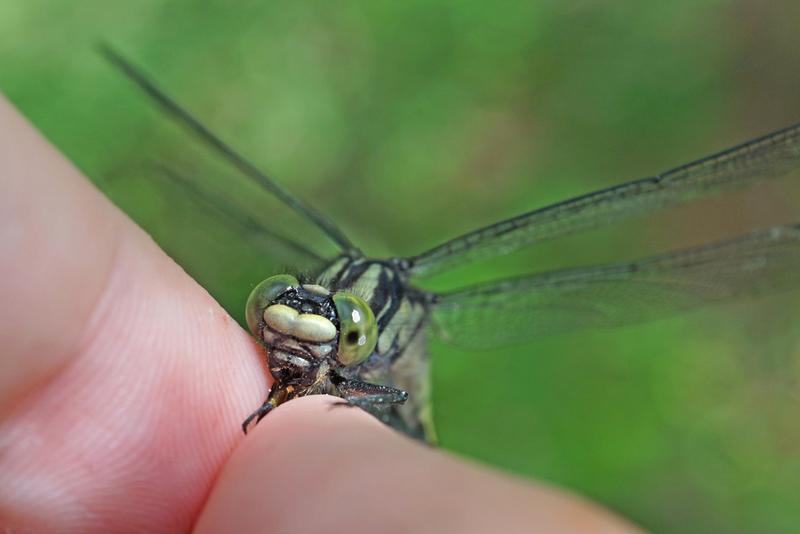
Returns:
<point x="521" y="308"/>
<point x="183" y="117"/>
<point x="765" y="157"/>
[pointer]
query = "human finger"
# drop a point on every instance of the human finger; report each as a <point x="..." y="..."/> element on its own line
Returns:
<point x="313" y="467"/>
<point x="122" y="382"/>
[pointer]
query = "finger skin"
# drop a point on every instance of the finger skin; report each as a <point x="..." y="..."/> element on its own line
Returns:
<point x="123" y="383"/>
<point x="49" y="281"/>
<point x="309" y="467"/>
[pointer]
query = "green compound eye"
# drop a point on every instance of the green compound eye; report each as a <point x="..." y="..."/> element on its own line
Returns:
<point x="263" y="295"/>
<point x="358" y="330"/>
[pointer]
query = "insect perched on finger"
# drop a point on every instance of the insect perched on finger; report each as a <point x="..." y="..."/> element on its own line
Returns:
<point x="358" y="327"/>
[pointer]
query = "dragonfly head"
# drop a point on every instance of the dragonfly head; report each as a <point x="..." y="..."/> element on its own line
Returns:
<point x="304" y="325"/>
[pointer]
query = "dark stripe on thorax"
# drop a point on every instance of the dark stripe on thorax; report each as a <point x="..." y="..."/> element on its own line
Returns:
<point x="388" y="292"/>
<point x="381" y="292"/>
<point x="352" y="272"/>
<point x="340" y="273"/>
<point x="396" y="294"/>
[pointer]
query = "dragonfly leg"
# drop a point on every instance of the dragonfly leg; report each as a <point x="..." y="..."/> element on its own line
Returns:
<point x="258" y="415"/>
<point x="365" y="395"/>
<point x="277" y="395"/>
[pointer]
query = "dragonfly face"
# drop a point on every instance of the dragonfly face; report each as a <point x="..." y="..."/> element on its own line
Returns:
<point x="311" y="332"/>
<point x="359" y="328"/>
<point x="322" y="337"/>
<point x="299" y="324"/>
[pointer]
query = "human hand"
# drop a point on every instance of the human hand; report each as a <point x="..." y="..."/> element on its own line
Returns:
<point x="123" y="386"/>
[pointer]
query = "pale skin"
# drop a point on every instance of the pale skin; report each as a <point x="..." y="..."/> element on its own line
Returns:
<point x="123" y="385"/>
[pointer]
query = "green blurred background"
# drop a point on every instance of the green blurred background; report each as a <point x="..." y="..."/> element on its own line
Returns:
<point x="410" y="122"/>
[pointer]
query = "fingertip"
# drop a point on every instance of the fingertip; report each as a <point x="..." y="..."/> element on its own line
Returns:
<point x="285" y="460"/>
<point x="310" y="467"/>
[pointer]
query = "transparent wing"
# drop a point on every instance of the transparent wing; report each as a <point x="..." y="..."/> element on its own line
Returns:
<point x="518" y="309"/>
<point x="758" y="159"/>
<point x="226" y="208"/>
<point x="229" y="225"/>
<point x="214" y="143"/>
<point x="204" y="221"/>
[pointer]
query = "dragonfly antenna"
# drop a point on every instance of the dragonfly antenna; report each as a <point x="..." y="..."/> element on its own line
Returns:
<point x="186" y="119"/>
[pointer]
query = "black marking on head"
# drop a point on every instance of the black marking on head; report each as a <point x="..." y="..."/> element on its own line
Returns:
<point x="305" y="301"/>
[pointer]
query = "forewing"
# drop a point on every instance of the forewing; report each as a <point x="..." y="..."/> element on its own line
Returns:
<point x="222" y="205"/>
<point x="213" y="227"/>
<point x="228" y="224"/>
<point x="765" y="157"/>
<point x="214" y="143"/>
<point x="518" y="309"/>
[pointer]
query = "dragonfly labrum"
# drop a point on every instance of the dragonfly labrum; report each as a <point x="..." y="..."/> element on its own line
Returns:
<point x="357" y="327"/>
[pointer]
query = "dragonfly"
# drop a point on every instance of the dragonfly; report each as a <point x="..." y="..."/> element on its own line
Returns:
<point x="358" y="327"/>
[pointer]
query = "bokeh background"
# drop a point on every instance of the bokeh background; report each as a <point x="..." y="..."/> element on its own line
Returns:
<point x="410" y="122"/>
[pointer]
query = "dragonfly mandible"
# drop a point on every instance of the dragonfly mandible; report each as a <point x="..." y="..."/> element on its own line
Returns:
<point x="357" y="327"/>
